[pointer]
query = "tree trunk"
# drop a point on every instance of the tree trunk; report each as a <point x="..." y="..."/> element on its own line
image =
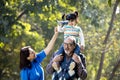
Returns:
<point x="116" y="66"/>
<point x="105" y="41"/>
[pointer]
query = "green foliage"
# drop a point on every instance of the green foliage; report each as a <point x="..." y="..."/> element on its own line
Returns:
<point x="109" y="2"/>
<point x="31" y="22"/>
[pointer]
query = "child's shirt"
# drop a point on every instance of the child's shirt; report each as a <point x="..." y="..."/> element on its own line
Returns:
<point x="73" y="31"/>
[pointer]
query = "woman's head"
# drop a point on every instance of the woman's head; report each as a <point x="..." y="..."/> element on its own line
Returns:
<point x="27" y="54"/>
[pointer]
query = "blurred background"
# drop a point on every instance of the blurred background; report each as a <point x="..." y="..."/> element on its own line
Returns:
<point x="32" y="22"/>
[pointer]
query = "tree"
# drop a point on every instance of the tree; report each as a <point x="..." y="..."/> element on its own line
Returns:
<point x="105" y="41"/>
<point x="31" y="22"/>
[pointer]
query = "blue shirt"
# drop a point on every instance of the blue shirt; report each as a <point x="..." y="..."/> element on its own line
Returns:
<point x="36" y="71"/>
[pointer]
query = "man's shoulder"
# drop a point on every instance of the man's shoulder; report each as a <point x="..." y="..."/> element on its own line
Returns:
<point x="82" y="56"/>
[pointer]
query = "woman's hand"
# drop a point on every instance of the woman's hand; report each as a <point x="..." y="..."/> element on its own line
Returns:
<point x="56" y="30"/>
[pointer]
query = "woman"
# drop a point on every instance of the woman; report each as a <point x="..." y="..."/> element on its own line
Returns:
<point x="30" y="67"/>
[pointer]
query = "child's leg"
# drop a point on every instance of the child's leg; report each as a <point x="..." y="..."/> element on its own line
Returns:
<point x="61" y="50"/>
<point x="77" y="50"/>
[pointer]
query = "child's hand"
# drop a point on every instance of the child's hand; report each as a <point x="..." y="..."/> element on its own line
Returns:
<point x="82" y="48"/>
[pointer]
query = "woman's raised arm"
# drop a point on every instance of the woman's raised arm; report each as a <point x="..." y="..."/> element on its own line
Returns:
<point x="52" y="42"/>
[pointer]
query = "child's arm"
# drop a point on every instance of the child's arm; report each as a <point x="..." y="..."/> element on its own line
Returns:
<point x="82" y="45"/>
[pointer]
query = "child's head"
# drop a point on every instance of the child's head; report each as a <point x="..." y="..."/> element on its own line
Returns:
<point x="72" y="17"/>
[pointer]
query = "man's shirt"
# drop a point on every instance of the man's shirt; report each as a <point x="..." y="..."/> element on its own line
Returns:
<point x="65" y="72"/>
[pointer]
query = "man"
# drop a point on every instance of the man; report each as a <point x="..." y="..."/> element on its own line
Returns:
<point x="68" y="66"/>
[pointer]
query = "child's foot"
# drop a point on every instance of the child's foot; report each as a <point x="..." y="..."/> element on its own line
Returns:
<point x="55" y="66"/>
<point x="72" y="65"/>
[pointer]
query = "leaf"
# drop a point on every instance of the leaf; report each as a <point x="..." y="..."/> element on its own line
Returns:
<point x="109" y="2"/>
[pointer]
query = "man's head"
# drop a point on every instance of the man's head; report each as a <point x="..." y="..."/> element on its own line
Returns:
<point x="69" y="45"/>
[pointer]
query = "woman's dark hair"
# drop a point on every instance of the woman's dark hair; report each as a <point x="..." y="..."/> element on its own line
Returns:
<point x="24" y="53"/>
<point x="70" y="17"/>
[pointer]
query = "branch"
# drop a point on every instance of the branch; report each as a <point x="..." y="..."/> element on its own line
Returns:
<point x="21" y="14"/>
<point x="111" y="22"/>
<point x="116" y="66"/>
